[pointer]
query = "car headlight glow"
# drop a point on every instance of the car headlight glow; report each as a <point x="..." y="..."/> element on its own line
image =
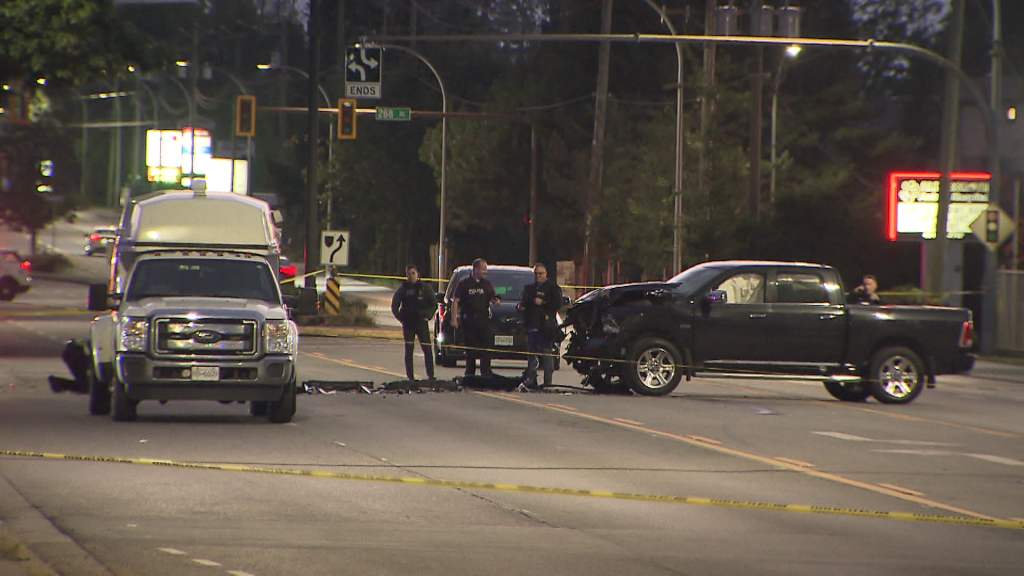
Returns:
<point x="133" y="335"/>
<point x="280" y="337"/>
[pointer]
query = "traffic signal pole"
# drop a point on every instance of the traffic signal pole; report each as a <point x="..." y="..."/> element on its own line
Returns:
<point x="312" y="252"/>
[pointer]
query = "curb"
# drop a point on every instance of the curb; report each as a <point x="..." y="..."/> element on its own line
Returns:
<point x="351" y="332"/>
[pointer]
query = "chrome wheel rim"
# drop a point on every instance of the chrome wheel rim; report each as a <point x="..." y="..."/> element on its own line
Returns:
<point x="898" y="376"/>
<point x="655" y="368"/>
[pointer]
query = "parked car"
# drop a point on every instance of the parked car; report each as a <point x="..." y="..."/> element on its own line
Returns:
<point x="15" y="274"/>
<point x="101" y="239"/>
<point x="507" y="321"/>
<point x="286" y="269"/>
<point x="750" y="317"/>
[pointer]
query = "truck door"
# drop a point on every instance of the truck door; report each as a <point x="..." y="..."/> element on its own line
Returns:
<point x="806" y="323"/>
<point x="733" y="332"/>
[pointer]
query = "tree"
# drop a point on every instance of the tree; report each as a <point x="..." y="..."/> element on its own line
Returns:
<point x="68" y="41"/>
<point x="40" y="170"/>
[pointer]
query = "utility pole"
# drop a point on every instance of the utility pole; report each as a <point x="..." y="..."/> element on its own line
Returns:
<point x="312" y="143"/>
<point x="707" y="108"/>
<point x="988" y="302"/>
<point x="937" y="254"/>
<point x="597" y="146"/>
<point x="756" y="96"/>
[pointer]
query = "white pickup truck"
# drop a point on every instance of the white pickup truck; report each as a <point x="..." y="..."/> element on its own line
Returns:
<point x="197" y="309"/>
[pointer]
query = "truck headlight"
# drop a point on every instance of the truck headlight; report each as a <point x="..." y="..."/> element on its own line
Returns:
<point x="280" y="337"/>
<point x="609" y="325"/>
<point x="133" y="335"/>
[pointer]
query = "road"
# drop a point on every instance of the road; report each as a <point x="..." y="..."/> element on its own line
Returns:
<point x="723" y="477"/>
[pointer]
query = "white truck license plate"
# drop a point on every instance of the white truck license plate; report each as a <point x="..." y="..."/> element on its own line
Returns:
<point x="503" y="340"/>
<point x="205" y="373"/>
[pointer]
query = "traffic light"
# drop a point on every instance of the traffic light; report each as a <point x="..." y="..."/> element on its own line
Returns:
<point x="245" y="116"/>
<point x="346" y="118"/>
<point x="992" y="226"/>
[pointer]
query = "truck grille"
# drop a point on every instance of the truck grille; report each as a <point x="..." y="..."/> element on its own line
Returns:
<point x="207" y="337"/>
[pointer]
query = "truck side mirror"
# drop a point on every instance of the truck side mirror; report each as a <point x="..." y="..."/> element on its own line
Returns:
<point x="717" y="297"/>
<point x="98" y="300"/>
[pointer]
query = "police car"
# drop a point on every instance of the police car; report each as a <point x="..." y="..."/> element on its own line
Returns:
<point x="506" y="320"/>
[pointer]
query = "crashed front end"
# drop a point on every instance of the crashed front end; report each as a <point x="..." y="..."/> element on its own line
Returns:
<point x="599" y="329"/>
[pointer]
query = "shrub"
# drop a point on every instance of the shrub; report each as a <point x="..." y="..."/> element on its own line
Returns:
<point x="909" y="294"/>
<point x="350" y="313"/>
<point x="49" y="262"/>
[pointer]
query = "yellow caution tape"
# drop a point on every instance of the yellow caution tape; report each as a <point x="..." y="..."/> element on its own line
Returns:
<point x="965" y="521"/>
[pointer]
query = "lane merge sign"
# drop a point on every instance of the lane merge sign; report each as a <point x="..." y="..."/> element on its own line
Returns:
<point x="362" y="72"/>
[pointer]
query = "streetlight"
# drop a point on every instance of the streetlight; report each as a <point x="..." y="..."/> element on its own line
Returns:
<point x="327" y="101"/>
<point x="444" y="154"/>
<point x="207" y="74"/>
<point x="677" y="188"/>
<point x="792" y="52"/>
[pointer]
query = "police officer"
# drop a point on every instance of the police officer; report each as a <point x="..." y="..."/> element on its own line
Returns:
<point x="540" y="303"/>
<point x="413" y="304"/>
<point x="471" y="308"/>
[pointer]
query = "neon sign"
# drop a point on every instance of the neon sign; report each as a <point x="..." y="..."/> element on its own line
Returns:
<point x="912" y="205"/>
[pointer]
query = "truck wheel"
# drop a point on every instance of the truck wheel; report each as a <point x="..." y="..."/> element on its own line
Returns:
<point x="99" y="397"/>
<point x="282" y="410"/>
<point x="124" y="407"/>
<point x="654" y="368"/>
<point x="847" y="391"/>
<point x="896" y="375"/>
<point x="257" y="408"/>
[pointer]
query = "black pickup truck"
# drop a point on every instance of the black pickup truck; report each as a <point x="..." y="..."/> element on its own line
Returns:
<point x="756" y="318"/>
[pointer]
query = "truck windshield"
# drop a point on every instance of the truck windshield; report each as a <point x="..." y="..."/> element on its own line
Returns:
<point x="689" y="281"/>
<point x="203" y="277"/>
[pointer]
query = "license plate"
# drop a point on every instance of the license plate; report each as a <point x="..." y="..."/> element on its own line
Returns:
<point x="205" y="373"/>
<point x="503" y="340"/>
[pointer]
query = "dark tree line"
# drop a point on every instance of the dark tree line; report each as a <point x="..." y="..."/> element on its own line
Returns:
<point x="844" y="120"/>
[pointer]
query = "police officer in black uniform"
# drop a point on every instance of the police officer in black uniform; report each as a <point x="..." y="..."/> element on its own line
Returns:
<point x="413" y="304"/>
<point x="471" y="308"/>
<point x="540" y="303"/>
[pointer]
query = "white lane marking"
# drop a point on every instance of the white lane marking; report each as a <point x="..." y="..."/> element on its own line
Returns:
<point x="205" y="562"/>
<point x="986" y="457"/>
<point x="239" y="573"/>
<point x="921" y="452"/>
<point x="852" y="438"/>
<point x="174" y="551"/>
<point x="997" y="459"/>
<point x="842" y="436"/>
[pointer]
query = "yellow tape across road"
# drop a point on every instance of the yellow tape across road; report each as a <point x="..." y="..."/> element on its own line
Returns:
<point x="1008" y="524"/>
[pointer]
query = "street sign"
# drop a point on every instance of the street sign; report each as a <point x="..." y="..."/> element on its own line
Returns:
<point x="396" y="114"/>
<point x="362" y="72"/>
<point x="334" y="247"/>
<point x="993" y="227"/>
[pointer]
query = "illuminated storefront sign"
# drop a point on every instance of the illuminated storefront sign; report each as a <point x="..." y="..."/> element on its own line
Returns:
<point x="218" y="179"/>
<point x="203" y="152"/>
<point x="913" y="204"/>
